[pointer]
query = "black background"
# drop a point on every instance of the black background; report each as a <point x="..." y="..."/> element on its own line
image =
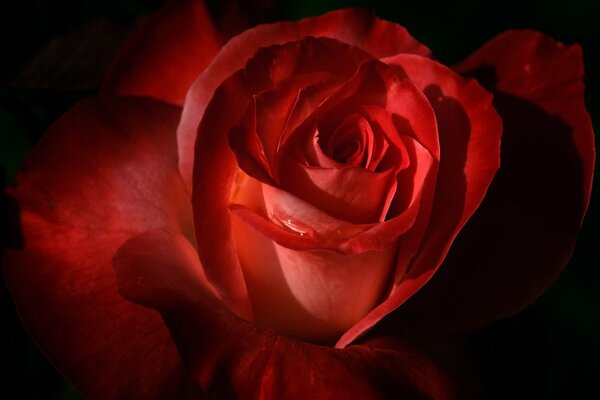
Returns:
<point x="549" y="351"/>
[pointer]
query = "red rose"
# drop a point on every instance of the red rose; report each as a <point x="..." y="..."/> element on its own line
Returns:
<point x="334" y="164"/>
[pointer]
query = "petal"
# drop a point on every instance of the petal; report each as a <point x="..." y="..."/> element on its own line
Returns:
<point x="215" y="171"/>
<point x="524" y="231"/>
<point x="274" y="107"/>
<point x="469" y="132"/>
<point x="171" y="271"/>
<point x="349" y="193"/>
<point x="314" y="295"/>
<point x="166" y="54"/>
<point x="103" y="172"/>
<point x="227" y="357"/>
<point x="351" y="26"/>
<point x="548" y="74"/>
<point x="292" y="222"/>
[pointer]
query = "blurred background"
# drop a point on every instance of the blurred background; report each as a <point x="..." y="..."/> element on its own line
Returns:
<point x="55" y="51"/>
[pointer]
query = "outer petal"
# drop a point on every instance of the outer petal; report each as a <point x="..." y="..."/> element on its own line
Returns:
<point x="355" y="27"/>
<point x="166" y="54"/>
<point x="524" y="231"/>
<point x="544" y="72"/>
<point x="227" y="357"/>
<point x="103" y="172"/>
<point x="469" y="131"/>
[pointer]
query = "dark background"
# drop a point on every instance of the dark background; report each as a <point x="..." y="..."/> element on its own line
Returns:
<point x="549" y="351"/>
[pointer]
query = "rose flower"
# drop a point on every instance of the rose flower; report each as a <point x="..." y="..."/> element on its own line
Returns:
<point x="276" y="197"/>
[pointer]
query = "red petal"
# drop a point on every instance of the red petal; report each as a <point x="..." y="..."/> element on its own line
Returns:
<point x="349" y="193"/>
<point x="227" y="357"/>
<point x="215" y="171"/>
<point x="313" y="294"/>
<point x="523" y="233"/>
<point x="548" y="74"/>
<point x="351" y="26"/>
<point x="469" y="131"/>
<point x="171" y="271"/>
<point x="103" y="172"/>
<point x="166" y="54"/>
<point x="296" y="224"/>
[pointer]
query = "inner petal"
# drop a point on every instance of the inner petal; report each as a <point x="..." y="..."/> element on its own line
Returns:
<point x="313" y="294"/>
<point x="351" y="143"/>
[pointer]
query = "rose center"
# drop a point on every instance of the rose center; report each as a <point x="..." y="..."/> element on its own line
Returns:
<point x="346" y="152"/>
<point x="350" y="143"/>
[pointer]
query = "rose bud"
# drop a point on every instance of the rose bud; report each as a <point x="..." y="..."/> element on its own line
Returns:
<point x="337" y="159"/>
<point x="324" y="173"/>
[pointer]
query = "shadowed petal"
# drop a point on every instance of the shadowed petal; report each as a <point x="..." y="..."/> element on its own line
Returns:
<point x="105" y="171"/>
<point x="524" y="231"/>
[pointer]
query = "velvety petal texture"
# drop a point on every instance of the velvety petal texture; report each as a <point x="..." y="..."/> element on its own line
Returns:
<point x="216" y="165"/>
<point x="262" y="364"/>
<point x="524" y="231"/>
<point x="105" y="171"/>
<point x="324" y="173"/>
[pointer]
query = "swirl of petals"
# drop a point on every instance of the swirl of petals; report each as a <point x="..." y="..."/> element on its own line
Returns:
<point x="373" y="84"/>
<point x="356" y="27"/>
